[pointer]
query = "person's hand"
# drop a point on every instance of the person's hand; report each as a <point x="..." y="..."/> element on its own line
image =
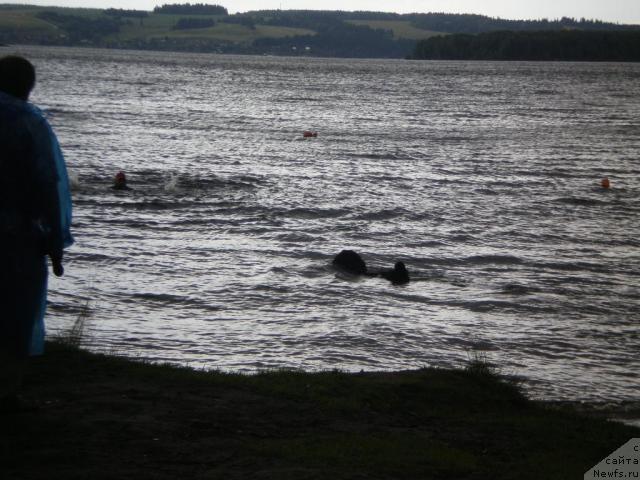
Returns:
<point x="58" y="269"/>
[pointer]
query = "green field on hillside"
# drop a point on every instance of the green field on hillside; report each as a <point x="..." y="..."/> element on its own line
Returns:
<point x="25" y="20"/>
<point x="400" y="28"/>
<point x="161" y="25"/>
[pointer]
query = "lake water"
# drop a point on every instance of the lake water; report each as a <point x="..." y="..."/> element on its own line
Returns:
<point x="484" y="178"/>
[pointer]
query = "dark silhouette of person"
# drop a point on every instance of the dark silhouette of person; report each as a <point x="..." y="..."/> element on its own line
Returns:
<point x="351" y="262"/>
<point x="35" y="219"/>
<point x="120" y="181"/>
<point x="399" y="275"/>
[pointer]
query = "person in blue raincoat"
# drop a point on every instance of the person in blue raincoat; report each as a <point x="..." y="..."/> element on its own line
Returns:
<point x="35" y="220"/>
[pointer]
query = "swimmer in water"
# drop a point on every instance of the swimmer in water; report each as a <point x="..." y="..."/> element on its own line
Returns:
<point x="351" y="262"/>
<point x="398" y="276"/>
<point x="120" y="181"/>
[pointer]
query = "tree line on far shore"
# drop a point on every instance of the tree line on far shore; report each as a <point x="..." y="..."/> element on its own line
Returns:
<point x="570" y="45"/>
<point x="191" y="9"/>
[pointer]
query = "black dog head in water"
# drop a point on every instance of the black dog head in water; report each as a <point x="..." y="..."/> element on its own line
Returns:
<point x="350" y="262"/>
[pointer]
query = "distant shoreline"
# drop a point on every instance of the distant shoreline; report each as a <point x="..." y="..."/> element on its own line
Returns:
<point x="408" y="58"/>
<point x="290" y="33"/>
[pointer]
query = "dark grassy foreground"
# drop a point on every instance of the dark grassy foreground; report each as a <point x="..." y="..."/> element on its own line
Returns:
<point x="101" y="417"/>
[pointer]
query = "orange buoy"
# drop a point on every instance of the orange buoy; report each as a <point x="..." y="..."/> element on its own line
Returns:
<point x="309" y="133"/>
<point x="605" y="183"/>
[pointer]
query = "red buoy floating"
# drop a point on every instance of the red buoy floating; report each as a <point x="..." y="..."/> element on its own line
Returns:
<point x="309" y="133"/>
<point x="605" y="183"/>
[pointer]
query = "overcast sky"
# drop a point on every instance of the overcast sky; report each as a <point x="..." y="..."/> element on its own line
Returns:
<point x="622" y="11"/>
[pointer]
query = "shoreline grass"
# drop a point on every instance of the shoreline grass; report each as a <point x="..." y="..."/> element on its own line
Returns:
<point x="104" y="417"/>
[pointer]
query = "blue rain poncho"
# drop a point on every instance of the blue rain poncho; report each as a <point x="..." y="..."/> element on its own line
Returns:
<point x="35" y="215"/>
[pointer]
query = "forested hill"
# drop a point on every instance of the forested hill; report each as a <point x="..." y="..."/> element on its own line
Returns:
<point x="570" y="45"/>
<point x="210" y="28"/>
